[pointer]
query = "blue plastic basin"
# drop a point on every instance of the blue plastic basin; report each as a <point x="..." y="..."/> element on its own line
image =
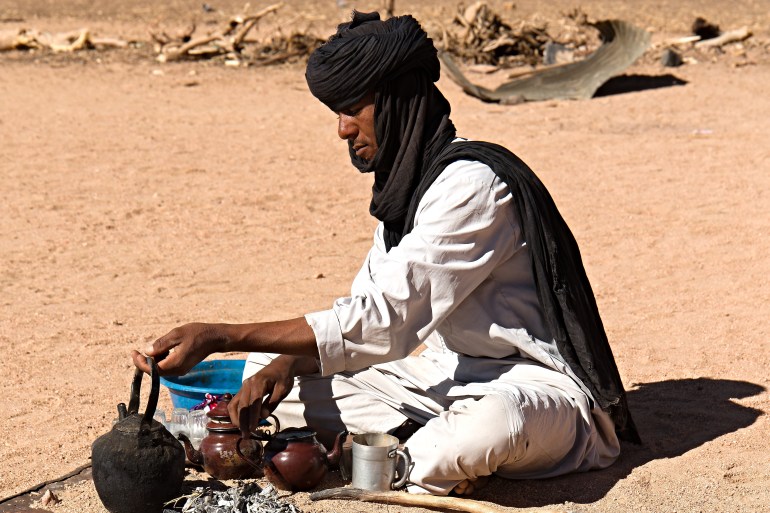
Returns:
<point x="214" y="377"/>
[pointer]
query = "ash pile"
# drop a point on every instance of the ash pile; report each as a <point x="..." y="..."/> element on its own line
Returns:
<point x="244" y="498"/>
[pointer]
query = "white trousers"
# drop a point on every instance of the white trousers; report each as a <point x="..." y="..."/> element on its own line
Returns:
<point x="530" y="421"/>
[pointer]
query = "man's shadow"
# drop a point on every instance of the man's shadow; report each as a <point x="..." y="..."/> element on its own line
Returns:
<point x="672" y="417"/>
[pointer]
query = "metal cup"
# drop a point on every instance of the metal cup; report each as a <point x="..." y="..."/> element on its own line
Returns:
<point x="375" y="458"/>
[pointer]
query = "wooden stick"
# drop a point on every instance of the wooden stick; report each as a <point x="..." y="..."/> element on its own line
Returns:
<point x="409" y="499"/>
<point x="9" y="40"/>
<point x="182" y="50"/>
<point x="239" y="36"/>
<point x="682" y="40"/>
<point x="674" y="42"/>
<point x="730" y="36"/>
<point x="389" y="6"/>
<point x="278" y="58"/>
<point x="109" y="41"/>
<point x="74" y="41"/>
<point x="250" y="21"/>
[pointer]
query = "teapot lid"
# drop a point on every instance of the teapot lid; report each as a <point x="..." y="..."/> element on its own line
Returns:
<point x="220" y="417"/>
<point x="219" y="412"/>
<point x="291" y="434"/>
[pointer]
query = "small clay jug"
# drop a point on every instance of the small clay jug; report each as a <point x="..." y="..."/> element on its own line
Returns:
<point x="295" y="460"/>
<point x="138" y="465"/>
<point x="217" y="453"/>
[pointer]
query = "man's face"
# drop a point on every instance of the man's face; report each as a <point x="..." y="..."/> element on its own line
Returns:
<point x="356" y="124"/>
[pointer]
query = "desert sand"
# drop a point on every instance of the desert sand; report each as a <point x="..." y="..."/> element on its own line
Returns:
<point x="137" y="196"/>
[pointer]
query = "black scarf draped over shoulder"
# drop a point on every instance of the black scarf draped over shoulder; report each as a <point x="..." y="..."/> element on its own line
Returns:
<point x="563" y="288"/>
<point x="396" y="59"/>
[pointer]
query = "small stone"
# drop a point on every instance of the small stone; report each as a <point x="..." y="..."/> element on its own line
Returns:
<point x="671" y="59"/>
<point x="49" y="498"/>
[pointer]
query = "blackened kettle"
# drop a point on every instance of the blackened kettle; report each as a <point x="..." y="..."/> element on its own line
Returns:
<point x="138" y="465"/>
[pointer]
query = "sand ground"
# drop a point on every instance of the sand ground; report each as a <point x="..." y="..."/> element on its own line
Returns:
<point x="137" y="196"/>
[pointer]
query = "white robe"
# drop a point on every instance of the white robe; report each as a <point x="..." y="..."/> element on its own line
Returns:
<point x="491" y="386"/>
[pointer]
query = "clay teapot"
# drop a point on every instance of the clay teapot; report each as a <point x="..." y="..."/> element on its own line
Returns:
<point x="138" y="465"/>
<point x="295" y="460"/>
<point x="217" y="453"/>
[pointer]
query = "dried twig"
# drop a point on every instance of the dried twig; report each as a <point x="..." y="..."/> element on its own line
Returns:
<point x="281" y="57"/>
<point x="16" y="39"/>
<point x="71" y="41"/>
<point x="179" y="52"/>
<point x="56" y="42"/>
<point x="229" y="41"/>
<point x="731" y="36"/>
<point x="389" y="6"/>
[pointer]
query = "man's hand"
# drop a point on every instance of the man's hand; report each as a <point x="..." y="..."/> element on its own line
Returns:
<point x="182" y="348"/>
<point x="261" y="393"/>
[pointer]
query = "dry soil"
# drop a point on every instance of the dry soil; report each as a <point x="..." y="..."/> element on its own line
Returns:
<point x="137" y="196"/>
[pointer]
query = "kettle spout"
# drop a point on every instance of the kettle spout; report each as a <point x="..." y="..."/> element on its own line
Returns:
<point x="194" y="455"/>
<point x="333" y="456"/>
<point x="122" y="412"/>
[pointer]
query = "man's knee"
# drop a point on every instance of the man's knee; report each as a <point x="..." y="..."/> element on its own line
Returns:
<point x="515" y="433"/>
<point x="474" y="435"/>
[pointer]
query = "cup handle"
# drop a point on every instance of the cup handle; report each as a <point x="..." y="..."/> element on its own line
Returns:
<point x="407" y="466"/>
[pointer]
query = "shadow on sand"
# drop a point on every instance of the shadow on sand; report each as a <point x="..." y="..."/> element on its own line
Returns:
<point x="673" y="417"/>
<point x="630" y="83"/>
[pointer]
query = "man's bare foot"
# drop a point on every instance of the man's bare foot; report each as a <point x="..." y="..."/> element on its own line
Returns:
<point x="469" y="486"/>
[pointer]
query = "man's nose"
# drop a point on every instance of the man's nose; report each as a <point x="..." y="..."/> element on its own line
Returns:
<point x="346" y="127"/>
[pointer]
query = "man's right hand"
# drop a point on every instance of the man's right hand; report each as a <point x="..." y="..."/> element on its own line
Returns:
<point x="261" y="393"/>
<point x="182" y="348"/>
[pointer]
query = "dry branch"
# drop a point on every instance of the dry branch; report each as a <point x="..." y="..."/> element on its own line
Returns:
<point x="71" y="41"/>
<point x="29" y="39"/>
<point x="409" y="499"/>
<point x="228" y="41"/>
<point x="479" y="35"/>
<point x="731" y="36"/>
<point x="173" y="52"/>
<point x="389" y="6"/>
<point x="15" y="39"/>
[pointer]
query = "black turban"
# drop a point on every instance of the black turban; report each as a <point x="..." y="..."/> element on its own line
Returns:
<point x="366" y="52"/>
<point x="398" y="61"/>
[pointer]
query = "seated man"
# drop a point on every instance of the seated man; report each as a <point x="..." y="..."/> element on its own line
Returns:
<point x="471" y="259"/>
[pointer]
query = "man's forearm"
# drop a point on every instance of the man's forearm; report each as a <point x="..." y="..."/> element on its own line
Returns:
<point x="292" y="337"/>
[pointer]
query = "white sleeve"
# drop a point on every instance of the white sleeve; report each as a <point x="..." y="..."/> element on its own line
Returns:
<point x="463" y="229"/>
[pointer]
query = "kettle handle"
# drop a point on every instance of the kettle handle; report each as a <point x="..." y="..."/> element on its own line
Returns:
<point x="267" y="436"/>
<point x="152" y="402"/>
<point x="245" y="458"/>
